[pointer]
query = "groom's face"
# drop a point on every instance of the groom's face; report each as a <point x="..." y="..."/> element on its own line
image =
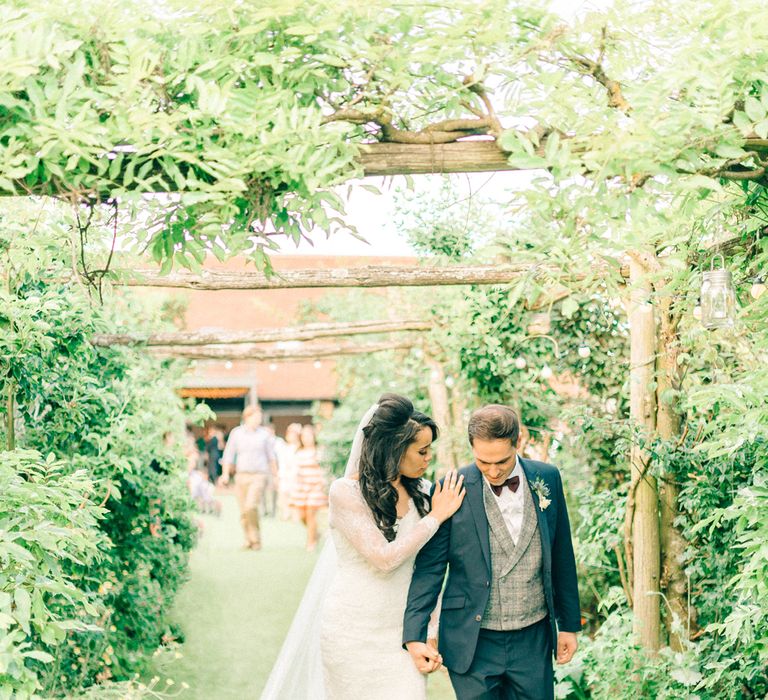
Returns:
<point x="495" y="458"/>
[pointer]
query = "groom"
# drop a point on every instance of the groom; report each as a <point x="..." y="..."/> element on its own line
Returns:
<point x="511" y="598"/>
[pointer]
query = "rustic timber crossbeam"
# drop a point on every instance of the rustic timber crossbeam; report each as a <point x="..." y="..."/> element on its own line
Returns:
<point x="310" y="331"/>
<point x="423" y="159"/>
<point x="383" y="159"/>
<point x="371" y="276"/>
<point x="262" y="354"/>
<point x="375" y="159"/>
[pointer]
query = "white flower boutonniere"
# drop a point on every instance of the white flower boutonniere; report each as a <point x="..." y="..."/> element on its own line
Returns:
<point x="542" y="491"/>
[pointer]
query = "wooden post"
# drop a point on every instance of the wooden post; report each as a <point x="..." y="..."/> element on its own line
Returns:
<point x="668" y="378"/>
<point x="438" y="396"/>
<point x="642" y="524"/>
<point x="459" y="424"/>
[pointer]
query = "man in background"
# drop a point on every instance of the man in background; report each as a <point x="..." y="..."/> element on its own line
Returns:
<point x="251" y="449"/>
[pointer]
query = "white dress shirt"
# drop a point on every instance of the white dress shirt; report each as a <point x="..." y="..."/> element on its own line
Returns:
<point x="511" y="502"/>
<point x="251" y="451"/>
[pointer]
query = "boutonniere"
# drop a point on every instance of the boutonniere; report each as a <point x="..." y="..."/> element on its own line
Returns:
<point x="542" y="491"/>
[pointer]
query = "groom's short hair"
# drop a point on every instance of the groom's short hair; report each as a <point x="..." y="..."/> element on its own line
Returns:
<point x="494" y="422"/>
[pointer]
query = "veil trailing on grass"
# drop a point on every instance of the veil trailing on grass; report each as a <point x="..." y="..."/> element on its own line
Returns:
<point x="298" y="671"/>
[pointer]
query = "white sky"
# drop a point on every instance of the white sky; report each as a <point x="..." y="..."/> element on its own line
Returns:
<point x="372" y="215"/>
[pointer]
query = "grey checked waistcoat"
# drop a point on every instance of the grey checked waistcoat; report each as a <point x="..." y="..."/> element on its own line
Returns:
<point x="517" y="588"/>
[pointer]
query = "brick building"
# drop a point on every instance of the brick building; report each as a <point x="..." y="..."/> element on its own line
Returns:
<point x="286" y="390"/>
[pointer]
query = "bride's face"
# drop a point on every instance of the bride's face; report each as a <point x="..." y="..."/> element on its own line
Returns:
<point x="417" y="456"/>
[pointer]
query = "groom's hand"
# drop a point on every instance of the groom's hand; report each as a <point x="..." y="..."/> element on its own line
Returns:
<point x="566" y="646"/>
<point x="425" y="657"/>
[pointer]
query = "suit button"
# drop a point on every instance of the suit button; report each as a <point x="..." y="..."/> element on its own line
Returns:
<point x="478" y="618"/>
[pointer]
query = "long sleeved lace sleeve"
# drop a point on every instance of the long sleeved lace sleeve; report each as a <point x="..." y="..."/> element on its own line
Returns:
<point x="350" y="515"/>
<point x="433" y="627"/>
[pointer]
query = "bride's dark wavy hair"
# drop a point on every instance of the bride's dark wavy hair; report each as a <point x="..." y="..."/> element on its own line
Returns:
<point x="393" y="427"/>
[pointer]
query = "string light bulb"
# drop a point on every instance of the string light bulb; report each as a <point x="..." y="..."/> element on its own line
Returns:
<point x="758" y="288"/>
<point x="584" y="351"/>
<point x="520" y="363"/>
<point x="546" y="372"/>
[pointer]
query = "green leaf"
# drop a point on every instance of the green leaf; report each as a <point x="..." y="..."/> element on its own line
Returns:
<point x="728" y="150"/>
<point x="23" y="605"/>
<point x="569" y="307"/>
<point x="742" y="122"/>
<point x="301" y="30"/>
<point x="552" y="146"/>
<point x="754" y="109"/>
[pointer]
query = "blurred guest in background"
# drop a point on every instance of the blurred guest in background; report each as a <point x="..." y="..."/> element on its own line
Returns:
<point x="214" y="445"/>
<point x="269" y="495"/>
<point x="286" y="468"/>
<point x="252" y="448"/>
<point x="309" y="492"/>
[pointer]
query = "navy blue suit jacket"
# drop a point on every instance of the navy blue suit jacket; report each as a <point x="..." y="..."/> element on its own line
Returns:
<point x="462" y="545"/>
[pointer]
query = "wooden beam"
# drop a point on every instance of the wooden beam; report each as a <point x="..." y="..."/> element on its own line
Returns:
<point x="310" y="331"/>
<point x="371" y="276"/>
<point x="261" y="354"/>
<point x="376" y="159"/>
<point x="421" y="159"/>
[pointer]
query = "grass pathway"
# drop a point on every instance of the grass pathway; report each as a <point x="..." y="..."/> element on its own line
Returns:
<point x="237" y="606"/>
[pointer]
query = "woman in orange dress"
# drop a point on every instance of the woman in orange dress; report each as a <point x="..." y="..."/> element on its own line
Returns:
<point x="309" y="491"/>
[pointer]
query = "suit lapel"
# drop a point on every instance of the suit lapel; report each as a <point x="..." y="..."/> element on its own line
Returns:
<point x="474" y="485"/>
<point x="546" y="548"/>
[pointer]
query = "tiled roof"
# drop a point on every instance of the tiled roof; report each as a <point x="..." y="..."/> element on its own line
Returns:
<point x="235" y="310"/>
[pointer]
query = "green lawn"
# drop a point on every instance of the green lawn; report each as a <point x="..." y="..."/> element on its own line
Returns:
<point x="237" y="607"/>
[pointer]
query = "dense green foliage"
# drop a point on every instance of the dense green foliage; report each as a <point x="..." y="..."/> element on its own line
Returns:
<point x="101" y="415"/>
<point x="646" y="127"/>
<point x="174" y="98"/>
<point x="49" y="537"/>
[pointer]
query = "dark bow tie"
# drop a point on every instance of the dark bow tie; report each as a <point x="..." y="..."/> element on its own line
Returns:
<point x="513" y="482"/>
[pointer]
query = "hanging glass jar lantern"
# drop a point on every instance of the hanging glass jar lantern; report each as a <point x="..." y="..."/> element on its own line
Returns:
<point x="718" y="300"/>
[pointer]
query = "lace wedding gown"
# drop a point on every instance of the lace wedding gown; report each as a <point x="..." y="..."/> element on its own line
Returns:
<point x="362" y="618"/>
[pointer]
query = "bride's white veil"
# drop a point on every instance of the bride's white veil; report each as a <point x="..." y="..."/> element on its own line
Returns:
<point x="298" y="671"/>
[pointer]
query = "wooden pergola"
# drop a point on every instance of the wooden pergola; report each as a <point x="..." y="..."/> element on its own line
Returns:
<point x="642" y="543"/>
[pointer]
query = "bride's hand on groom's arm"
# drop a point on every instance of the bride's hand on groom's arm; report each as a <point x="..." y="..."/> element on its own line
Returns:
<point x="447" y="499"/>
<point x="425" y="657"/>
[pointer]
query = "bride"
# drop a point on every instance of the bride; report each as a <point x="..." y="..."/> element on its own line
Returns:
<point x="354" y="603"/>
